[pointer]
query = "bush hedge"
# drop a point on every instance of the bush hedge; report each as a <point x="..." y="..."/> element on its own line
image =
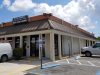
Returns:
<point x="18" y="53"/>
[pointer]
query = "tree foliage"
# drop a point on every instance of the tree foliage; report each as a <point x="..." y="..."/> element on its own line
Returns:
<point x="98" y="38"/>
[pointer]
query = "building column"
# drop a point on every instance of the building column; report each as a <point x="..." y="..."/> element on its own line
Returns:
<point x="28" y="46"/>
<point x="13" y="42"/>
<point x="40" y="45"/>
<point x="52" y="49"/>
<point x="47" y="45"/>
<point x="59" y="46"/>
<point x="89" y="42"/>
<point x="92" y="43"/>
<point x="72" y="45"/>
<point x="21" y="42"/>
<point x="79" y="46"/>
<point x="5" y="39"/>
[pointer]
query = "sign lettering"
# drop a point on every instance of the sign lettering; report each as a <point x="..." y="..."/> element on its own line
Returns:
<point x="21" y="19"/>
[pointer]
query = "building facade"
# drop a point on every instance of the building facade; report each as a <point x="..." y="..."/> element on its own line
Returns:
<point x="59" y="38"/>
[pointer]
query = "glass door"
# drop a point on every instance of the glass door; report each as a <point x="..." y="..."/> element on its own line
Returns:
<point x="17" y="42"/>
<point x="34" y="46"/>
<point x="56" y="44"/>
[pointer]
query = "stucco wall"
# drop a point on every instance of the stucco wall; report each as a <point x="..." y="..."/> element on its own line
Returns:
<point x="66" y="45"/>
<point x="82" y="43"/>
<point x="76" y="48"/>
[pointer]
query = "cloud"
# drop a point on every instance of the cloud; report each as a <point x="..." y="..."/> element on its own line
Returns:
<point x="77" y="12"/>
<point x="22" y="5"/>
<point x="6" y="3"/>
<point x="86" y="23"/>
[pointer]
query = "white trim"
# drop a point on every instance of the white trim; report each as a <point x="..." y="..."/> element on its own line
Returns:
<point x="73" y="35"/>
<point x="27" y="33"/>
<point x="46" y="32"/>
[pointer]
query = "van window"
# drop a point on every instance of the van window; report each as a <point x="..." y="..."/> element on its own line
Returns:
<point x="97" y="45"/>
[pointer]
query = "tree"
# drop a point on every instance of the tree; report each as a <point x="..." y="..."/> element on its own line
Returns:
<point x="98" y="38"/>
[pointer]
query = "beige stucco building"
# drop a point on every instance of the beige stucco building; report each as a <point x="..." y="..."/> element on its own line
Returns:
<point x="59" y="38"/>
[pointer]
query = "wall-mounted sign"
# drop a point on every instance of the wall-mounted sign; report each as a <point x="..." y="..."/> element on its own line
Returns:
<point x="21" y="19"/>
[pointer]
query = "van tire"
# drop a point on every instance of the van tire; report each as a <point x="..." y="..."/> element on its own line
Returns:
<point x="88" y="54"/>
<point x="4" y="58"/>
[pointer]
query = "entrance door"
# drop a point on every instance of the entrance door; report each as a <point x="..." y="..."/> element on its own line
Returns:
<point x="56" y="44"/>
<point x="34" y="46"/>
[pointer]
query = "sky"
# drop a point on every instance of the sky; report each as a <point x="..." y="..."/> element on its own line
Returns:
<point x="85" y="13"/>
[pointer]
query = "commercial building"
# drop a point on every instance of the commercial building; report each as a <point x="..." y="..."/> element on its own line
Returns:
<point x="56" y="37"/>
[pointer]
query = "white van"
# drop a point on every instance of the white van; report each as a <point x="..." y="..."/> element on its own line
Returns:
<point x="5" y="51"/>
<point x="91" y="50"/>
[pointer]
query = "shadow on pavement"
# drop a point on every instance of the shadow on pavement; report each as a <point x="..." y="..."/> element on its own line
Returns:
<point x="94" y="56"/>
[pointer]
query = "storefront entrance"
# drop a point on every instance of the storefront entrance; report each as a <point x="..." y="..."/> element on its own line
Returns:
<point x="17" y="42"/>
<point x="34" y="46"/>
<point x="56" y="44"/>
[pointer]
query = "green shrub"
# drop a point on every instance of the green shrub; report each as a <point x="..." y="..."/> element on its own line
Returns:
<point x="18" y="53"/>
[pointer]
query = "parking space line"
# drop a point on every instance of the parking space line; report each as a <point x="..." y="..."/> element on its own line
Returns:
<point x="91" y="63"/>
<point x="67" y="61"/>
<point x="79" y="62"/>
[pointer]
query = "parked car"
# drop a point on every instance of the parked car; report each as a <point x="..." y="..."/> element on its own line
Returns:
<point x="5" y="51"/>
<point x="91" y="50"/>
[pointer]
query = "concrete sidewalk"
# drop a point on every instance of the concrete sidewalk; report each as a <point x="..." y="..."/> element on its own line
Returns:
<point x="18" y="67"/>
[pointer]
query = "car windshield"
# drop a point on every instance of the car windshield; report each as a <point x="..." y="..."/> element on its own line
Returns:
<point x="96" y="45"/>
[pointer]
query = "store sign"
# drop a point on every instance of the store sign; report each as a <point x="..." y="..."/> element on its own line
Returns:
<point x="21" y="19"/>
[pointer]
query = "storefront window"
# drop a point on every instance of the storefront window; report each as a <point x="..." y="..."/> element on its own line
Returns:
<point x="17" y="42"/>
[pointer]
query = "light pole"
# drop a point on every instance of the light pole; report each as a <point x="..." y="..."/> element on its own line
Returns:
<point x="40" y="46"/>
<point x="41" y="56"/>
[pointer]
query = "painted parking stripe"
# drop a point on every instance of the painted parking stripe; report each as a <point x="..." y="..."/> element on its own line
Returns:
<point x="96" y="63"/>
<point x="72" y="61"/>
<point x="67" y="61"/>
<point x="79" y="62"/>
<point x="91" y="63"/>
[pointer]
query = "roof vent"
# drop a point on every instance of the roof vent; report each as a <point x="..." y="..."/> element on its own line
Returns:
<point x="47" y="14"/>
<point x="76" y="25"/>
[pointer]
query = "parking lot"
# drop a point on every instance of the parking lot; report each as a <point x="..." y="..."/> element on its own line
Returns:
<point x="26" y="66"/>
<point x="71" y="66"/>
<point x="86" y="61"/>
